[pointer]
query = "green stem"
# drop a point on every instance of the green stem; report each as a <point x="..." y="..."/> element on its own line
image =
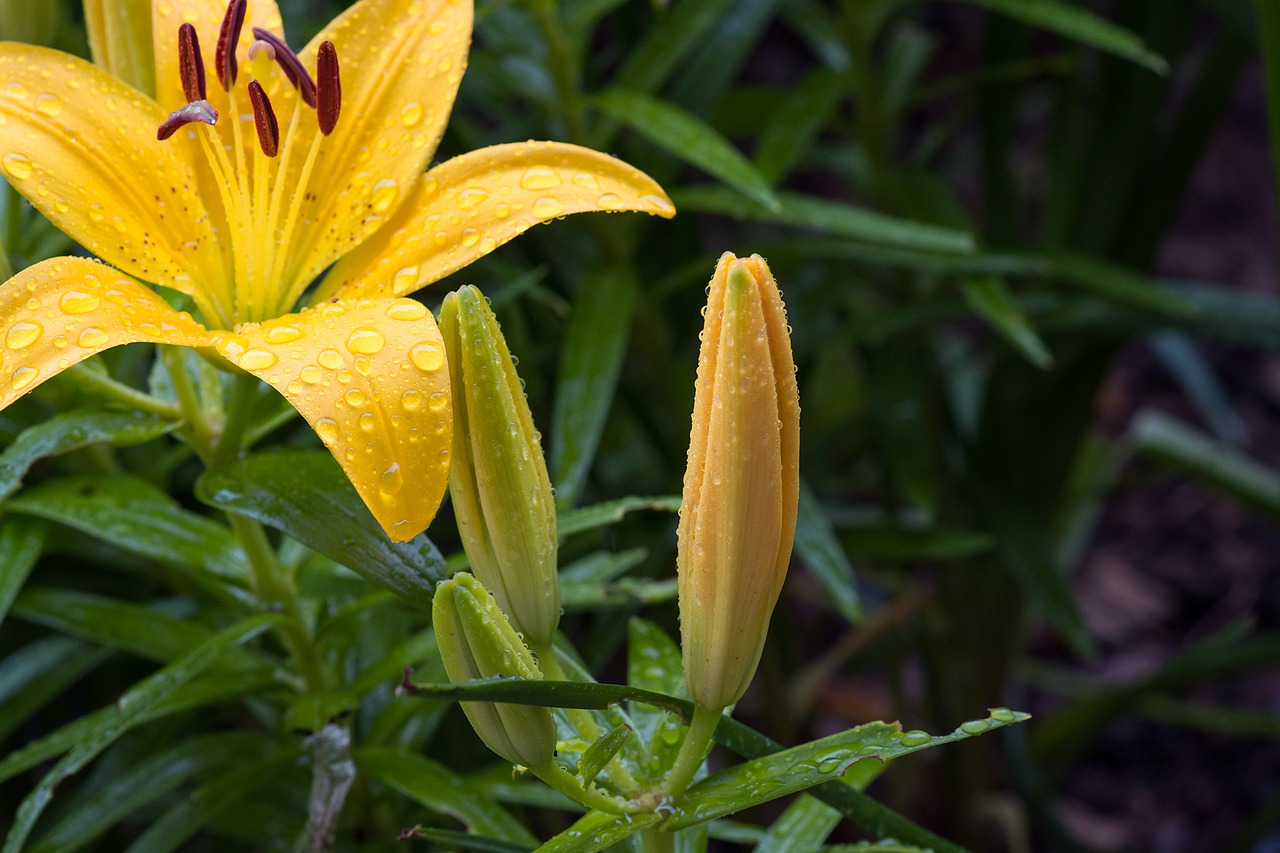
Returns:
<point x="693" y="750"/>
<point x="102" y="385"/>
<point x="188" y="402"/>
<point x="591" y="797"/>
<point x="13" y="223"/>
<point x="656" y="840"/>
<point x="232" y="440"/>
<point x="562" y="61"/>
<point x="582" y="719"/>
<point x="276" y="591"/>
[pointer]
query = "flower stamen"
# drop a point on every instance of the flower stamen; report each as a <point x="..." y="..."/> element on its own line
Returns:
<point x="290" y="64"/>
<point x="328" y="88"/>
<point x="201" y="111"/>
<point x="228" y="39"/>
<point x="264" y="118"/>
<point x="190" y="64"/>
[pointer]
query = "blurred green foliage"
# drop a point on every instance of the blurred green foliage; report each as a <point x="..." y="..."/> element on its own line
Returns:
<point x="965" y="244"/>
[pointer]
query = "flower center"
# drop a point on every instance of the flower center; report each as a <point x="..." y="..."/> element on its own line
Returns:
<point x="262" y="187"/>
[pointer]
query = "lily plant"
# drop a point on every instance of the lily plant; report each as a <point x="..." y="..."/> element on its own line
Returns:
<point x="288" y="196"/>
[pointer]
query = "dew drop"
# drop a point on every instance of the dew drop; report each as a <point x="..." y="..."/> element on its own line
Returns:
<point x="327" y="429"/>
<point x="22" y="377"/>
<point x="330" y="358"/>
<point x="472" y="197"/>
<point x="426" y="356"/>
<point x="384" y="195"/>
<point x="295" y="388"/>
<point x="23" y="334"/>
<point x="310" y="374"/>
<point x="17" y="91"/>
<point x="96" y="213"/>
<point x="502" y="211"/>
<point x="283" y="334"/>
<point x="540" y="178"/>
<point x="410" y="400"/>
<point x="1004" y="715"/>
<point x="609" y="201"/>
<point x="257" y="359"/>
<point x="92" y="337"/>
<point x="405" y="280"/>
<point x="914" y="738"/>
<point x="411" y="114"/>
<point x="354" y="397"/>
<point x="78" y="302"/>
<point x="407" y="309"/>
<point x="17" y="166"/>
<point x="438" y="401"/>
<point x="48" y="104"/>
<point x="656" y="204"/>
<point x="392" y="481"/>
<point x="344" y="376"/>
<point x="470" y="236"/>
<point x="366" y="340"/>
<point x="975" y="727"/>
<point x="547" y="208"/>
<point x="362" y="365"/>
<point x="368" y="422"/>
<point x="585" y="180"/>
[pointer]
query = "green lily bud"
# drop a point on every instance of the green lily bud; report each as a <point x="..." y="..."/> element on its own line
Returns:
<point x="742" y="483"/>
<point x="120" y="39"/>
<point x="501" y="492"/>
<point x="477" y="641"/>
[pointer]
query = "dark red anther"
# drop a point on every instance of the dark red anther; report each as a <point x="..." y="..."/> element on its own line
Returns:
<point x="190" y="64"/>
<point x="265" y="119"/>
<point x="228" y="39"/>
<point x="201" y="111"/>
<point x="291" y="65"/>
<point x="328" y="88"/>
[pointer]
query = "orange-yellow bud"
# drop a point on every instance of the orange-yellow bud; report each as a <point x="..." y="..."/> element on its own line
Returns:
<point x="742" y="483"/>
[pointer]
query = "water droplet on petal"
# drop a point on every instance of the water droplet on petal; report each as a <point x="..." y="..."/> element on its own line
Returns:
<point x="92" y="337"/>
<point x="354" y="397"/>
<point x="426" y="356"/>
<point x="330" y="358"/>
<point x="257" y="359"/>
<point x="407" y="309"/>
<point x="17" y="166"/>
<point x="392" y="481"/>
<point x="23" y="334"/>
<point x="438" y="401"/>
<point x="472" y="197"/>
<point x="609" y="201"/>
<point x="405" y="280"/>
<point x="327" y="429"/>
<point x="656" y="204"/>
<point x="585" y="180"/>
<point x="540" y="178"/>
<point x="17" y="91"/>
<point x="310" y="374"/>
<point x="366" y="340"/>
<point x="502" y="211"/>
<point x="77" y="302"/>
<point x="48" y="104"/>
<point x="283" y="334"/>
<point x="384" y="195"/>
<point x="411" y="114"/>
<point x="411" y="399"/>
<point x="368" y="421"/>
<point x="22" y="377"/>
<point x="547" y="208"/>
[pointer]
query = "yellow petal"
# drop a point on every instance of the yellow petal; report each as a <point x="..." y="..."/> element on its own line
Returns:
<point x="370" y="377"/>
<point x="120" y="40"/>
<point x="206" y="16"/>
<point x="468" y="206"/>
<point x="81" y="146"/>
<point x="63" y="310"/>
<point x="401" y="62"/>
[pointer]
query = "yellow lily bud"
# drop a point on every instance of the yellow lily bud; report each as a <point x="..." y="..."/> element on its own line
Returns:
<point x="477" y="641"/>
<point x="742" y="483"/>
<point x="501" y="492"/>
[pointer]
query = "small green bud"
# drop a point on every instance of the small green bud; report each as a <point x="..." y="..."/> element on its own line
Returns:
<point x="477" y="641"/>
<point x="501" y="492"/>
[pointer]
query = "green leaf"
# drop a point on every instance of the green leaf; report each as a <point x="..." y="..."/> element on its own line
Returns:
<point x="802" y="828"/>
<point x="590" y="364"/>
<point x="437" y="788"/>
<point x="600" y="515"/>
<point x="669" y="41"/>
<point x="991" y="300"/>
<point x="129" y="711"/>
<point x="818" y="547"/>
<point x="21" y="541"/>
<point x="33" y="675"/>
<point x="1079" y="24"/>
<point x="689" y="138"/>
<point x="305" y="494"/>
<point x="792" y="129"/>
<point x="653" y="663"/>
<point x="1197" y="378"/>
<point x="596" y="831"/>
<point x="211" y="799"/>
<point x="90" y="814"/>
<point x="453" y="840"/>
<point x="900" y="391"/>
<point x="135" y="516"/>
<point x="703" y="82"/>
<point x="1215" y="463"/>
<point x="602" y="752"/>
<point x="830" y="217"/>
<point x="849" y="755"/>
<point x="1120" y="285"/>
<point x="906" y="544"/>
<point x="72" y="431"/>
<point x="886" y="846"/>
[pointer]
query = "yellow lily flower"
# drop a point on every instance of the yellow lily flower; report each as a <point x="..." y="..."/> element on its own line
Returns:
<point x="259" y="182"/>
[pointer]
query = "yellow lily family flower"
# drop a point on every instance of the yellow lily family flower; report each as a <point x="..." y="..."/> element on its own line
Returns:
<point x="499" y="485"/>
<point x="242" y="191"/>
<point x="742" y="483"/>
